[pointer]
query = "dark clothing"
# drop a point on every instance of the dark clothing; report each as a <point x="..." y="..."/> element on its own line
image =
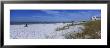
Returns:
<point x="25" y="25"/>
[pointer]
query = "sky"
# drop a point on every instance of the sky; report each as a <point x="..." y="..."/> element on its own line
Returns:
<point x="52" y="15"/>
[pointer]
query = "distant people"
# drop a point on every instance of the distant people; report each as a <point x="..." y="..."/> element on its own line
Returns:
<point x="26" y="25"/>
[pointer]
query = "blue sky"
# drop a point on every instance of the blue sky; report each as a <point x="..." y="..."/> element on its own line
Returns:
<point x="52" y="15"/>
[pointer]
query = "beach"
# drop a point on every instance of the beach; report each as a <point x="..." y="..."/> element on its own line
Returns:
<point x="42" y="31"/>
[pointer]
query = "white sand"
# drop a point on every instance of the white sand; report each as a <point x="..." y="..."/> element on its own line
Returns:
<point x="41" y="31"/>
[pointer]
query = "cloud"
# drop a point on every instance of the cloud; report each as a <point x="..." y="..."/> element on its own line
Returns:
<point x="60" y="13"/>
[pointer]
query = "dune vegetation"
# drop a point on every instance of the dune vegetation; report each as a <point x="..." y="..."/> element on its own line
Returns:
<point x="92" y="30"/>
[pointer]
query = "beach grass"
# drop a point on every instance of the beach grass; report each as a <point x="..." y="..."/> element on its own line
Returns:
<point x="92" y="31"/>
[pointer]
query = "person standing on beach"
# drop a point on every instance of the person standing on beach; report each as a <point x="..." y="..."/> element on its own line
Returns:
<point x="25" y="25"/>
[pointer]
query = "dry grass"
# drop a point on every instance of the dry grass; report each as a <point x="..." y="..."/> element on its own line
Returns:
<point x="92" y="31"/>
